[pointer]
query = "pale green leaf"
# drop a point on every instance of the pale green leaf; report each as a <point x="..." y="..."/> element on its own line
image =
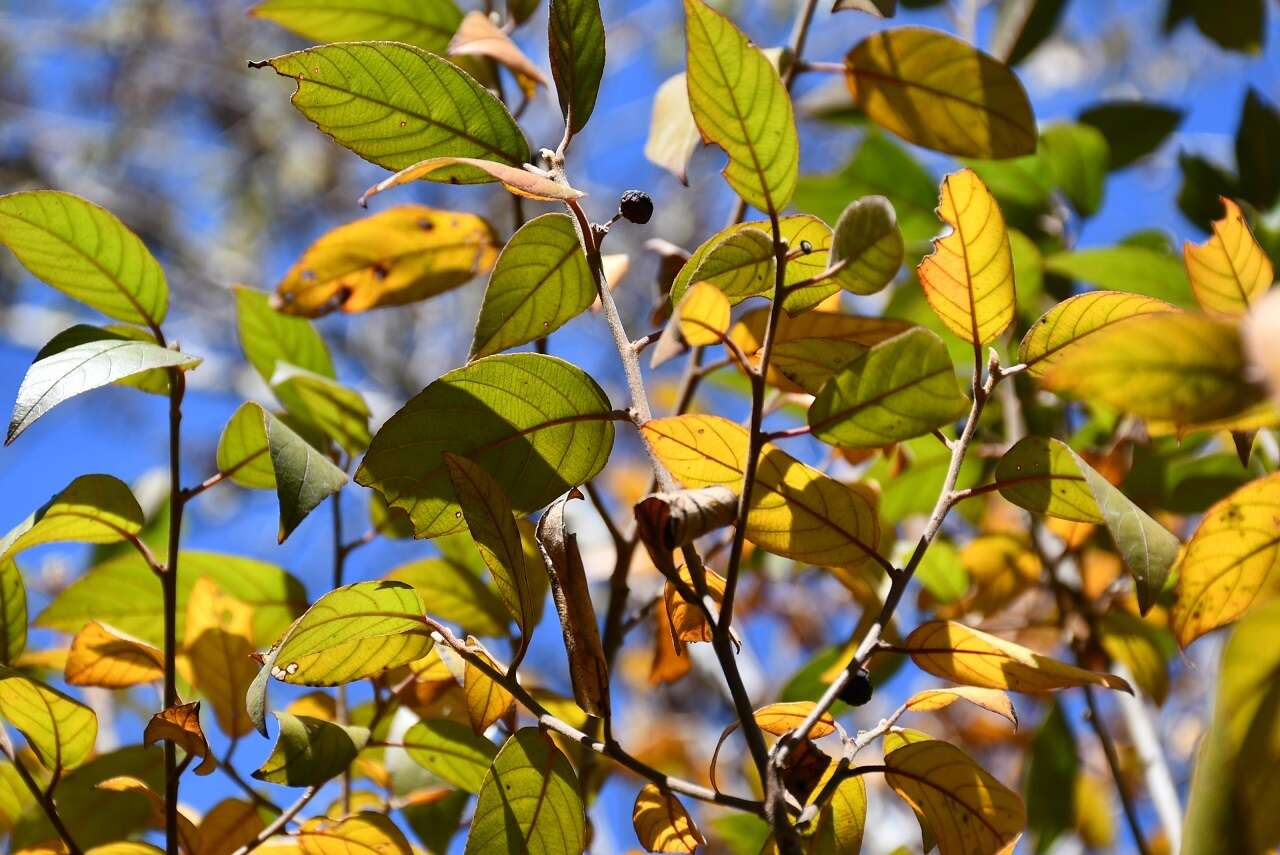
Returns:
<point x="13" y="612"/>
<point x="242" y="449"/>
<point x="85" y="252"/>
<point x="268" y="337"/>
<point x="457" y="594"/>
<point x="92" y="509"/>
<point x="1133" y="268"/>
<point x="540" y="282"/>
<point x="1046" y="476"/>
<point x="395" y="105"/>
<point x="899" y="389"/>
<point x="576" y="45"/>
<point x="451" y="751"/>
<point x="337" y="411"/>
<point x="59" y="376"/>
<point x="538" y="424"/>
<point x="1077" y="159"/>
<point x="1050" y="780"/>
<point x="740" y="104"/>
<point x="310" y="751"/>
<point x="428" y="24"/>
<point x="60" y="730"/>
<point x="869" y="243"/>
<point x="529" y="801"/>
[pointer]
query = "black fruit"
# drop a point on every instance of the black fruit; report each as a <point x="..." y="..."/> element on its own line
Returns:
<point x="636" y="206"/>
<point x="858" y="690"/>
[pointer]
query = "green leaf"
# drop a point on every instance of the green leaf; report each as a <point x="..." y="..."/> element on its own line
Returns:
<point x="1137" y="269"/>
<point x="740" y="104"/>
<point x="125" y="594"/>
<point x="489" y="518"/>
<point x="1132" y="129"/>
<point x="939" y="92"/>
<point x="880" y="167"/>
<point x="337" y="411"/>
<point x="351" y="633"/>
<point x="57" y="377"/>
<point x="1239" y="25"/>
<point x="451" y="751"/>
<point x="1077" y="159"/>
<point x="395" y="105"/>
<point x="310" y="751"/>
<point x="536" y="423"/>
<point x="242" y="449"/>
<point x="913" y="489"/>
<point x="92" y="509"/>
<point x="13" y="612"/>
<point x="529" y="801"/>
<point x="1230" y="807"/>
<point x="521" y="10"/>
<point x="541" y="282"/>
<point x="428" y="24"/>
<point x="14" y="796"/>
<point x="85" y="252"/>
<point x="268" y="337"/>
<point x="879" y="8"/>
<point x="575" y="40"/>
<point x="457" y="593"/>
<point x="1046" y="476"/>
<point x="899" y="389"/>
<point x="742" y="265"/>
<point x="60" y="730"/>
<point x="942" y="572"/>
<point x="304" y="477"/>
<point x="1256" y="139"/>
<point x="868" y="240"/>
<point x="1204" y="183"/>
<point x="1051" y="780"/>
<point x="155" y="381"/>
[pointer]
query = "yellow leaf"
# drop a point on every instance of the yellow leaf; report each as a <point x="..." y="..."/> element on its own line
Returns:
<point x="1231" y="563"/>
<point x="229" y="825"/>
<point x="662" y="823"/>
<point x="778" y="720"/>
<point x="321" y="705"/>
<point x="703" y="314"/>
<point x="687" y="621"/>
<point x="1002" y="567"/>
<point x="968" y="279"/>
<point x="99" y="657"/>
<point x="670" y="660"/>
<point x="398" y="256"/>
<point x="992" y="700"/>
<point x="477" y="35"/>
<point x="1065" y="327"/>
<point x="520" y="182"/>
<point x="936" y="91"/>
<point x="362" y="834"/>
<point x="60" y="730"/>
<point x="1229" y="270"/>
<point x="181" y="726"/>
<point x="796" y="511"/>
<point x="973" y="658"/>
<point x="487" y="700"/>
<point x="968" y="811"/>
<point x="216" y="654"/>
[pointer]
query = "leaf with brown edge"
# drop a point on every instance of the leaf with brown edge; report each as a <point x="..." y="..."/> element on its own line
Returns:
<point x="391" y="258"/>
<point x="968" y="279"/>
<point x="662" y="824"/>
<point x="992" y="700"/>
<point x="972" y="657"/>
<point x="487" y="699"/>
<point x="101" y="657"/>
<point x="492" y="525"/>
<point x="519" y="182"/>
<point x="968" y="810"/>
<point x="588" y="668"/>
<point x="1229" y="271"/>
<point x="1168" y="367"/>
<point x="687" y="622"/>
<point x="1066" y="326"/>
<point x="181" y="726"/>
<point x="216" y="653"/>
<point x="939" y="92"/>
<point x="1232" y="562"/>
<point x="796" y="511"/>
<point x="477" y="35"/>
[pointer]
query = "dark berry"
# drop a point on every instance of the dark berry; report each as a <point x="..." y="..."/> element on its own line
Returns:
<point x="806" y="247"/>
<point x="858" y="690"/>
<point x="636" y="206"/>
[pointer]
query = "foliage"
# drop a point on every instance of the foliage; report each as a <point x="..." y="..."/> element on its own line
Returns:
<point x="1007" y="419"/>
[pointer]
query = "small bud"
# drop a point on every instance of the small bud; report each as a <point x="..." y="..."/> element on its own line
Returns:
<point x="858" y="690"/>
<point x="636" y="206"/>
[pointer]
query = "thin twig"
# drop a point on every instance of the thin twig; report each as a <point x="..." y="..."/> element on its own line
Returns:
<point x="169" y="587"/>
<point x="45" y="800"/>
<point x="1117" y="772"/>
<point x="278" y="825"/>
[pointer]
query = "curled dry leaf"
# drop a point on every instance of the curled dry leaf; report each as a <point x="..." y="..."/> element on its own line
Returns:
<point x="974" y="658"/>
<point x="520" y="182"/>
<point x="477" y="35"/>
<point x="181" y="726"/>
<point x="993" y="700"/>
<point x="671" y="520"/>
<point x="686" y="620"/>
<point x="588" y="668"/>
<point x="779" y="720"/>
<point x="662" y="824"/>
